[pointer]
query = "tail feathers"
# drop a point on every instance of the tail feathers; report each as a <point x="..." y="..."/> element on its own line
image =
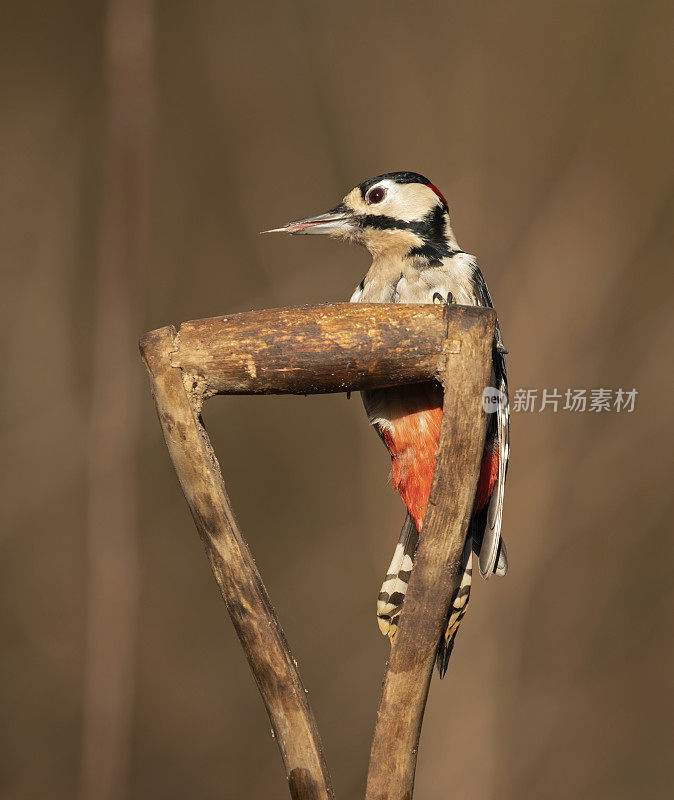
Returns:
<point x="476" y="529"/>
<point x="392" y="593"/>
<point x="457" y="610"/>
<point x="501" y="567"/>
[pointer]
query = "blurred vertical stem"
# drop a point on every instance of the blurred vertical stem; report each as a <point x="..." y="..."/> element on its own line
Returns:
<point x="113" y="588"/>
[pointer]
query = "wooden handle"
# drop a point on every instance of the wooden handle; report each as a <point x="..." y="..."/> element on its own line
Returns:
<point x="437" y="567"/>
<point x="233" y="566"/>
<point x="314" y="349"/>
<point x="320" y="349"/>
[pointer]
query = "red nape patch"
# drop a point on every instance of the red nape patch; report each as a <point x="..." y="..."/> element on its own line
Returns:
<point x="488" y="475"/>
<point x="438" y="192"/>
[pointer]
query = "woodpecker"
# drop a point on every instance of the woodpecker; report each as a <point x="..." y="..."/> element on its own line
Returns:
<point x="403" y="221"/>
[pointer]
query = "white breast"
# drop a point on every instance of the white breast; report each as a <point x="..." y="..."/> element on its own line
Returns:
<point x="405" y="282"/>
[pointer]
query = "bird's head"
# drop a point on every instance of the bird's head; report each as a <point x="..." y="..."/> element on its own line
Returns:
<point x="398" y="212"/>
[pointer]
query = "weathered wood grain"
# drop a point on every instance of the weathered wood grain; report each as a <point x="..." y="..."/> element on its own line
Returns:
<point x="245" y="596"/>
<point x="318" y="349"/>
<point x="328" y="349"/>
<point x="436" y="573"/>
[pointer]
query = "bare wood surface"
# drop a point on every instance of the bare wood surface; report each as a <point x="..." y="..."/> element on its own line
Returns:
<point x="242" y="589"/>
<point x="436" y="573"/>
<point x="318" y="349"/>
<point x="323" y="349"/>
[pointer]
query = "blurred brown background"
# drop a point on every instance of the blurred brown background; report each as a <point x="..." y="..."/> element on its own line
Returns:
<point x="549" y="128"/>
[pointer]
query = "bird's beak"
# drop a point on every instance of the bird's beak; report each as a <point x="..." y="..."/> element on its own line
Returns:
<point x="336" y="222"/>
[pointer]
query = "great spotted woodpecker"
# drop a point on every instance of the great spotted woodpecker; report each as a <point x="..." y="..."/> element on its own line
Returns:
<point x="403" y="220"/>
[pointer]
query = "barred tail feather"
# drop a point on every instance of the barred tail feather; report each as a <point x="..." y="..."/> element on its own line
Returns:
<point x="394" y="588"/>
<point x="392" y="593"/>
<point x="457" y="609"/>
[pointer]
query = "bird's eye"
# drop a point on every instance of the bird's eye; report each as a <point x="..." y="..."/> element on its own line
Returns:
<point x="376" y="195"/>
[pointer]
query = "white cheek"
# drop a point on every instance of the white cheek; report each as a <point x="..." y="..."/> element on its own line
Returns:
<point x="414" y="201"/>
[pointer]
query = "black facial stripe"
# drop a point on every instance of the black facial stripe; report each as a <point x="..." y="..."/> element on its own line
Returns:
<point x="434" y="251"/>
<point x="435" y="246"/>
<point x="431" y="230"/>
<point x="383" y="223"/>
